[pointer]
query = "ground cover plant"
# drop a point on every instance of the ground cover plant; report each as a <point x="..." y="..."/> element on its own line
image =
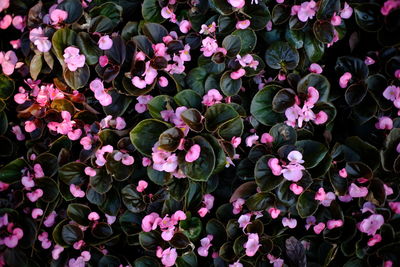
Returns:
<point x="199" y="133"/>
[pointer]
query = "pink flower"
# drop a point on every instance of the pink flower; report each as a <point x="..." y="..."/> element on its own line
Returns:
<point x="39" y="39"/>
<point x="344" y="79"/>
<point x="391" y="93"/>
<point x="100" y="94"/>
<point x="125" y="158"/>
<point x="336" y="20"/>
<point x="395" y="206"/>
<point x="37" y="213"/>
<point x="185" y="26"/>
<point x="274" y="212"/>
<point x="105" y="42"/>
<point x="324" y="198"/>
<point x="242" y="24"/>
<point x="30" y="126"/>
<point x="19" y="23"/>
<point x="376" y="238"/>
<point x="251" y="140"/>
<point x="212" y="97"/>
<point x="346" y="12"/>
<point x="320" y="118"/>
<point x="150" y="222"/>
<point x="369" y="61"/>
<point x="90" y="171"/>
<point x="343" y="173"/>
<point x="273" y="164"/>
<point x="306" y="11"/>
<point x="5" y="22"/>
<point x="237" y="3"/>
<point x="103" y="61"/>
<point x="162" y="81"/>
<point x="146" y="162"/>
<point x="8" y="62"/>
<point x="141" y="106"/>
<point x="209" y="46"/>
<point x="57" y="16"/>
<point x="384" y="123"/>
<point x="205" y="245"/>
<point x="193" y="153"/>
<point x="168" y="257"/>
<point x="296" y="189"/>
<point x="141" y="186"/>
<point x="371" y="224"/>
<point x="252" y="245"/>
<point x="35" y="195"/>
<point x="18" y="133"/>
<point x="388" y="6"/>
<point x="238" y="205"/>
<point x="236" y="264"/>
<point x="237" y="74"/>
<point x="289" y="222"/>
<point x="4" y="4"/>
<point x="50" y="219"/>
<point x="319" y="228"/>
<point x="355" y="191"/>
<point x="167" y="13"/>
<point x="315" y="68"/>
<point x="76" y="191"/>
<point x="93" y="216"/>
<point x="56" y="252"/>
<point x="397" y="74"/>
<point x="37" y="168"/>
<point x="73" y="59"/>
<point x="235" y="141"/>
<point x="331" y="224"/>
<point x="266" y="138"/>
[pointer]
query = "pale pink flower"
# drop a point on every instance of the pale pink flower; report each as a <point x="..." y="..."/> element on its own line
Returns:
<point x="207" y="29"/>
<point x="105" y="42"/>
<point x="238" y="205"/>
<point x="319" y="228"/>
<point x="235" y="141"/>
<point x="4" y="4"/>
<point x="5" y="22"/>
<point x="19" y="23"/>
<point x="93" y="216"/>
<point x="76" y="191"/>
<point x="371" y="224"/>
<point x="8" y="62"/>
<point x="167" y="13"/>
<point x="242" y="24"/>
<point x="251" y="140"/>
<point x="273" y="164"/>
<point x="356" y="191"/>
<point x="237" y="74"/>
<point x="237" y="3"/>
<point x="168" y="257"/>
<point x="346" y="12"/>
<point x="324" y="198"/>
<point x="39" y="39"/>
<point x="274" y="212"/>
<point x="37" y="213"/>
<point x="212" y="97"/>
<point x="289" y="222"/>
<point x="73" y="59"/>
<point x="391" y="93"/>
<point x="57" y="16"/>
<point x="90" y="171"/>
<point x="252" y="245"/>
<point x="56" y="252"/>
<point x="185" y="26"/>
<point x="331" y="224"/>
<point x="50" y="219"/>
<point x="162" y="81"/>
<point x="150" y="222"/>
<point x="296" y="189"/>
<point x="35" y="195"/>
<point x="205" y="245"/>
<point x="343" y="173"/>
<point x="18" y="133"/>
<point x="209" y="46"/>
<point x="244" y="220"/>
<point x="307" y="10"/>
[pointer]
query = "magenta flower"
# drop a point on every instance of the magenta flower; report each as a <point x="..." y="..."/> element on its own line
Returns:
<point x="141" y="186"/>
<point x="344" y="79"/>
<point x="73" y="59"/>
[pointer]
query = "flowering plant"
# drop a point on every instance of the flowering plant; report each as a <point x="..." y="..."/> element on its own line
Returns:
<point x="204" y="132"/>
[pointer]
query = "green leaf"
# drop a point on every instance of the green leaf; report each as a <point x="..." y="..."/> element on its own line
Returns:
<point x="314" y="48"/>
<point x="223" y="7"/>
<point x="170" y="139"/>
<point x="130" y="223"/>
<point x="158" y="104"/>
<point x="284" y="99"/>
<point x="146" y="261"/>
<point x="191" y="227"/>
<point x="71" y="234"/>
<point x="101" y="24"/>
<point x="280" y="14"/>
<point x="189" y="98"/>
<point x="88" y="47"/>
<point x="151" y="11"/>
<point x="368" y="16"/>
<point x="79" y="213"/>
<point x="132" y="199"/>
<point x="48" y="162"/>
<point x="327" y="8"/>
<point x="7" y="86"/>
<point x="248" y="40"/>
<point x="72" y="173"/>
<point x="202" y="168"/>
<point x="260" y="201"/>
<point x="229" y="86"/>
<point x="280" y="55"/>
<point x="355" y="66"/>
<point x="188" y="259"/>
<point x="218" y="114"/>
<point x="109" y="10"/>
<point x="150" y="240"/>
<point x="355" y="93"/>
<point x="324" y="31"/>
<point x="50" y="187"/>
<point x="77" y="79"/>
<point x="112" y="204"/>
<point x="306" y="204"/>
<point x="193" y="118"/>
<point x="36" y="65"/>
<point x="102" y="230"/>
<point x="283" y="135"/>
<point x="146" y="134"/>
<point x="196" y="79"/>
<point x="261" y="106"/>
<point x="101" y="182"/>
<point x="313" y="152"/>
<point x="231" y="128"/>
<point x="232" y="44"/>
<point x="259" y="15"/>
<point x="11" y="173"/>
<point x="155" y="32"/>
